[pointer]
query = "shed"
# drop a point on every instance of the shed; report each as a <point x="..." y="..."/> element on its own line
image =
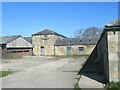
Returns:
<point x="15" y="46"/>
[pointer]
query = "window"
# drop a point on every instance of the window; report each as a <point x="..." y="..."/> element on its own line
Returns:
<point x="45" y="37"/>
<point x="42" y="46"/>
<point x="81" y="48"/>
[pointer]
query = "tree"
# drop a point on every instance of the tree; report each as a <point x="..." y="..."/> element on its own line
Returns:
<point x="92" y="31"/>
<point x="89" y="32"/>
<point x="78" y="33"/>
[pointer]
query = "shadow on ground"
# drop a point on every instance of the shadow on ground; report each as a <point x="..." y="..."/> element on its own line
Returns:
<point x="92" y="69"/>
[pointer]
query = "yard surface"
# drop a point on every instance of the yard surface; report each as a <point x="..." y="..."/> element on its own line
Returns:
<point x="42" y="72"/>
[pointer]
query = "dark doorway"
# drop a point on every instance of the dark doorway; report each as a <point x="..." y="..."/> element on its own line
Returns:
<point x="42" y="51"/>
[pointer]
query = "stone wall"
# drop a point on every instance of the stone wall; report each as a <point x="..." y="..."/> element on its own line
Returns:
<point x="102" y="53"/>
<point x="97" y="62"/>
<point x="108" y="53"/>
<point x="46" y="42"/>
<point x="106" y="56"/>
<point x="62" y="50"/>
<point x="0" y="52"/>
<point x="113" y="55"/>
<point x="119" y="55"/>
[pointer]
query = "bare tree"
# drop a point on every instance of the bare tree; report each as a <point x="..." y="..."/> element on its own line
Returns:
<point x="89" y="32"/>
<point x="78" y="33"/>
<point x="92" y="32"/>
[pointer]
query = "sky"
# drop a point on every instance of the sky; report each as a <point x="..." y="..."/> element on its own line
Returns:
<point x="27" y="18"/>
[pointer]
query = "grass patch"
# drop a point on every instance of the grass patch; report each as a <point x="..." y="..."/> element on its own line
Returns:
<point x="4" y="73"/>
<point x="76" y="87"/>
<point x="113" y="86"/>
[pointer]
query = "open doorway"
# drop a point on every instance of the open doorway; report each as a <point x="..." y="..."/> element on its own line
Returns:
<point x="42" y="51"/>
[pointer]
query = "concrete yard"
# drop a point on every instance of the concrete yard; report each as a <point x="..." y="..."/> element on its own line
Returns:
<point x="42" y="72"/>
<point x="21" y="64"/>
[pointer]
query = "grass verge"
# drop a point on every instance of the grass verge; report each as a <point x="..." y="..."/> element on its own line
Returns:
<point x="76" y="87"/>
<point x="4" y="73"/>
<point x="113" y="86"/>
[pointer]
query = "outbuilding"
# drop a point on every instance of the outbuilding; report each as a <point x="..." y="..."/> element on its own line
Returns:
<point x="75" y="46"/>
<point x="15" y="46"/>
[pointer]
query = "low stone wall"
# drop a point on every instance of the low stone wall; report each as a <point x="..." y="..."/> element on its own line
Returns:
<point x="16" y="55"/>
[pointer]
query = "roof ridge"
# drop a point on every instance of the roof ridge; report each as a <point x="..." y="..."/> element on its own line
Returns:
<point x="7" y="39"/>
<point x="48" y="32"/>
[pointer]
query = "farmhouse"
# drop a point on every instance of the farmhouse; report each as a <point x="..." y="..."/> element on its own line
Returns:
<point x="48" y="42"/>
<point x="15" y="46"/>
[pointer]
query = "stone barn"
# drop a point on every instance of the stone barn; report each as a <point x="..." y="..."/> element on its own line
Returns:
<point x="105" y="58"/>
<point x="75" y="46"/>
<point x="15" y="46"/>
<point x="48" y="42"/>
<point x="43" y="42"/>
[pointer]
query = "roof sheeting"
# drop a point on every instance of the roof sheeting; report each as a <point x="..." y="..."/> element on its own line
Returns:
<point x="7" y="39"/>
<point x="49" y="32"/>
<point x="76" y="41"/>
<point x="29" y="39"/>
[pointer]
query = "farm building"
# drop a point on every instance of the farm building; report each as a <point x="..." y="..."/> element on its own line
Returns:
<point x="48" y="42"/>
<point x="75" y="46"/>
<point x="105" y="58"/>
<point x="15" y="46"/>
<point x="43" y="42"/>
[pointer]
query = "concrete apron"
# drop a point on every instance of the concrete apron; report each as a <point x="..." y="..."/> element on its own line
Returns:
<point x="43" y="76"/>
<point x="86" y="82"/>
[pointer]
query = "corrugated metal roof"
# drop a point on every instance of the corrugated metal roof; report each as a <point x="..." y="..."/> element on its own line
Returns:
<point x="7" y="39"/>
<point x="48" y="32"/>
<point x="77" y="41"/>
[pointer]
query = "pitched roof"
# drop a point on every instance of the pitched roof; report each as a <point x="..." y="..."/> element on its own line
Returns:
<point x="29" y="39"/>
<point x="48" y="32"/>
<point x="76" y="41"/>
<point x="7" y="39"/>
<point x="114" y="23"/>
